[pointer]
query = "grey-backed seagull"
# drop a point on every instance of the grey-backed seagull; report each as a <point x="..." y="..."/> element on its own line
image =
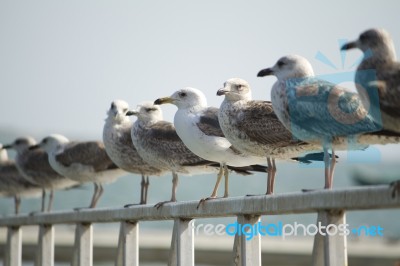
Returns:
<point x="198" y="127"/>
<point x="158" y="143"/>
<point x="320" y="112"/>
<point x="12" y="183"/>
<point x="119" y="147"/>
<point x="35" y="168"/>
<point x="81" y="161"/>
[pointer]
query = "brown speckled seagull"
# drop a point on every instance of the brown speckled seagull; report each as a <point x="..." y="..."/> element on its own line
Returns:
<point x="380" y="59"/>
<point x="118" y="143"/>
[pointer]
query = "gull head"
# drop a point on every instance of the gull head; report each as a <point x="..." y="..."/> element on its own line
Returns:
<point x="147" y="112"/>
<point x="235" y="89"/>
<point x="118" y="110"/>
<point x="290" y="66"/>
<point x="377" y="41"/>
<point x="187" y="98"/>
<point x="52" y="143"/>
<point x="21" y="144"/>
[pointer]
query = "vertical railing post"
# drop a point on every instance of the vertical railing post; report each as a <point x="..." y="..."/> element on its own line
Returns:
<point x="330" y="249"/>
<point x="13" y="250"/>
<point x="45" y="248"/>
<point x="247" y="249"/>
<point x="128" y="244"/>
<point x="83" y="247"/>
<point x="182" y="244"/>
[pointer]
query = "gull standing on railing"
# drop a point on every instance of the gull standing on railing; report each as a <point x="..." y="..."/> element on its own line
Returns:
<point x="34" y="167"/>
<point x="118" y="143"/>
<point x="253" y="127"/>
<point x="83" y="162"/>
<point x="198" y="127"/>
<point x="12" y="183"/>
<point x="158" y="143"/>
<point x="379" y="71"/>
<point x="320" y="112"/>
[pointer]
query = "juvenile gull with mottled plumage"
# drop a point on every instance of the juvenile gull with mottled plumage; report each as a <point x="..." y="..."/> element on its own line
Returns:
<point x="198" y="127"/>
<point x="380" y="71"/>
<point x="253" y="128"/>
<point x="35" y="168"/>
<point x="118" y="143"/>
<point x="158" y="143"/>
<point x="12" y="183"/>
<point x="85" y="161"/>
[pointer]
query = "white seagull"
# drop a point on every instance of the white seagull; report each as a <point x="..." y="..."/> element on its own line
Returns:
<point x="119" y="147"/>
<point x="378" y="75"/>
<point x="198" y="127"/>
<point x="320" y="112"/>
<point x="83" y="162"/>
<point x="12" y="183"/>
<point x="253" y="128"/>
<point x="35" y="168"/>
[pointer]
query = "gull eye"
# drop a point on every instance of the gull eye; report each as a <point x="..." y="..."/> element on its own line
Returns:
<point x="182" y="94"/>
<point x="112" y="106"/>
<point x="125" y="110"/>
<point x="280" y="63"/>
<point x="150" y="109"/>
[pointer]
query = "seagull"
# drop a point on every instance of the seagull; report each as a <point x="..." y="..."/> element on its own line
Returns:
<point x="379" y="73"/>
<point x="158" y="144"/>
<point x="317" y="111"/>
<point x="198" y="127"/>
<point x="12" y="183"/>
<point x="253" y="128"/>
<point x="83" y="162"/>
<point x="119" y="147"/>
<point x="34" y="166"/>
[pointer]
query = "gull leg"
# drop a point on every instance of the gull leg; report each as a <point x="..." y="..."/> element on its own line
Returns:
<point x="17" y="202"/>
<point x="215" y="191"/>
<point x="143" y="192"/>
<point x="43" y="200"/>
<point x="332" y="168"/>
<point x="174" y="186"/>
<point x="327" y="172"/>
<point x="175" y="180"/>
<point x="96" y="190"/>
<point x="51" y="197"/>
<point x="94" y="199"/>
<point x="269" y="177"/>
<point x="146" y="189"/>
<point x="99" y="194"/>
<point x="226" y="173"/>
<point x="273" y="170"/>
<point x="142" y="188"/>
<point x="43" y="203"/>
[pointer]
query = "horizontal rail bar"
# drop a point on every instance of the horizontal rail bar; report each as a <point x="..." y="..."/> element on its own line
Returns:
<point x="355" y="198"/>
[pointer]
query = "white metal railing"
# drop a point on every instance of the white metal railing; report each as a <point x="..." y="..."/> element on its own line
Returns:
<point x="330" y="205"/>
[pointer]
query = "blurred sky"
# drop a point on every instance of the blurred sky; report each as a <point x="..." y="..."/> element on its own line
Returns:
<point x="63" y="62"/>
